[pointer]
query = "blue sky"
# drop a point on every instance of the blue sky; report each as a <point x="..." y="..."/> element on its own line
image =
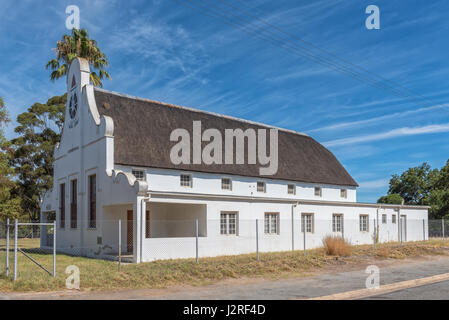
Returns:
<point x="163" y="50"/>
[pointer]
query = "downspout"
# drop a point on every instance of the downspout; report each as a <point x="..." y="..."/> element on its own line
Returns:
<point x="142" y="225"/>
<point x="84" y="206"/>
<point x="293" y="224"/>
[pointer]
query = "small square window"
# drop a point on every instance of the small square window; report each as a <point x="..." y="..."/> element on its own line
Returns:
<point x="291" y="189"/>
<point x="139" y="174"/>
<point x="318" y="192"/>
<point x="186" y="180"/>
<point x="384" y="218"/>
<point x="261" y="186"/>
<point x="343" y="193"/>
<point x="226" y="184"/>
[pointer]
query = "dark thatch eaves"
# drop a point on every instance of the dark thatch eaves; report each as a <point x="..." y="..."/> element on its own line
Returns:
<point x="142" y="131"/>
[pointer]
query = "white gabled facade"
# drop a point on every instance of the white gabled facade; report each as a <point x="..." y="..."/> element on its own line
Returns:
<point x="87" y="150"/>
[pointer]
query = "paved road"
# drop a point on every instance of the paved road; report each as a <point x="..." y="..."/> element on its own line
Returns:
<point x="437" y="291"/>
<point x="302" y="288"/>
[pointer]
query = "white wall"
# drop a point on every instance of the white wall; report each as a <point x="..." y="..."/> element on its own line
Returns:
<point x="169" y="180"/>
<point x="216" y="244"/>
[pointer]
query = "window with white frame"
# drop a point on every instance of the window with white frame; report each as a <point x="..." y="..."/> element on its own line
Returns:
<point x="318" y="191"/>
<point x="271" y="223"/>
<point x="337" y="222"/>
<point x="226" y="184"/>
<point x="228" y="223"/>
<point x="364" y="222"/>
<point x="261" y="187"/>
<point x="384" y="218"/>
<point x="186" y="180"/>
<point x="291" y="189"/>
<point x="307" y="222"/>
<point x="393" y="218"/>
<point x="343" y="193"/>
<point x="139" y="174"/>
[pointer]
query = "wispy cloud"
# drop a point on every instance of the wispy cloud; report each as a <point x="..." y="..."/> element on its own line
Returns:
<point x="358" y="123"/>
<point x="400" y="132"/>
<point x="374" y="184"/>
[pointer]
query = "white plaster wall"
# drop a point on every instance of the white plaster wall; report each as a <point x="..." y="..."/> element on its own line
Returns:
<point x="169" y="180"/>
<point x="216" y="244"/>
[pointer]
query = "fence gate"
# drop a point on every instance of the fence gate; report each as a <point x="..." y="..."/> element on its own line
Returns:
<point x="29" y="246"/>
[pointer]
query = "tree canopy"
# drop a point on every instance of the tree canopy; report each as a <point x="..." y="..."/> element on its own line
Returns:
<point x="78" y="44"/>
<point x="9" y="205"/>
<point x="393" y="198"/>
<point x="421" y="185"/>
<point x="39" y="131"/>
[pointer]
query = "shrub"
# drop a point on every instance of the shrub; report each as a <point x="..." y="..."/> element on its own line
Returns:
<point x="337" y="246"/>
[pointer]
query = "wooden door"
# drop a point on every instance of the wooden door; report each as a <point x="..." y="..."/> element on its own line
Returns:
<point x="130" y="228"/>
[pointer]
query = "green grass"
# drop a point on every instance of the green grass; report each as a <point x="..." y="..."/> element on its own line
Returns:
<point x="98" y="274"/>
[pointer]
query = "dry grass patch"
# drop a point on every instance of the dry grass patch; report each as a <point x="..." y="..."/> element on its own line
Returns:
<point x="337" y="246"/>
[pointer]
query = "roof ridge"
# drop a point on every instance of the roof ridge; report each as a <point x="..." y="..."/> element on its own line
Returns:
<point x="201" y="111"/>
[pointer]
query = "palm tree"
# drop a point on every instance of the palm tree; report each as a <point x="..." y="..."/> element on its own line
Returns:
<point x="78" y="44"/>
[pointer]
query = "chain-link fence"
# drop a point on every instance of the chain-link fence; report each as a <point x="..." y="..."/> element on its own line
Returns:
<point x="126" y="240"/>
<point x="439" y="228"/>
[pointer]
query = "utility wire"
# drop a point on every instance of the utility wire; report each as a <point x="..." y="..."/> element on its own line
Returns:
<point x="252" y="29"/>
<point x="285" y="45"/>
<point x="388" y="87"/>
<point x="325" y="51"/>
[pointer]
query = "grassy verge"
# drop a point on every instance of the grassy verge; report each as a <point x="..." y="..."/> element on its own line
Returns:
<point x="103" y="275"/>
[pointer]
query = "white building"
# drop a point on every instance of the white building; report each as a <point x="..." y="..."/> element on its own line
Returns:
<point x="113" y="163"/>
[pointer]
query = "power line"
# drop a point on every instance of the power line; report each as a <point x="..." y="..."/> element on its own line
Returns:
<point x="389" y="87"/>
<point x="221" y="15"/>
<point x="325" y="51"/>
<point x="286" y="46"/>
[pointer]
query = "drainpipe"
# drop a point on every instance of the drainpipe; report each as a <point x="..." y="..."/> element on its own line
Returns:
<point x="142" y="225"/>
<point x="293" y="224"/>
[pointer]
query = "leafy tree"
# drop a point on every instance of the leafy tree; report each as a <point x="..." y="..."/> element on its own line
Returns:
<point x="415" y="184"/>
<point x="393" y="198"/>
<point x="39" y="131"/>
<point x="422" y="186"/>
<point x="439" y="198"/>
<point x="9" y="206"/>
<point x="78" y="44"/>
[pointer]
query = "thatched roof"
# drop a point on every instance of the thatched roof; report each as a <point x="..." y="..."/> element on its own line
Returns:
<point x="142" y="138"/>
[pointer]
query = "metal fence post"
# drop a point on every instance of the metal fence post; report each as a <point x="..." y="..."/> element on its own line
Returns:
<point x="15" y="248"/>
<point x="442" y="227"/>
<point x="304" y="235"/>
<point x="257" y="239"/>
<point x="424" y="229"/>
<point x="7" y="247"/>
<point x="196" y="234"/>
<point x="54" y="249"/>
<point x="293" y="231"/>
<point x="119" y="244"/>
